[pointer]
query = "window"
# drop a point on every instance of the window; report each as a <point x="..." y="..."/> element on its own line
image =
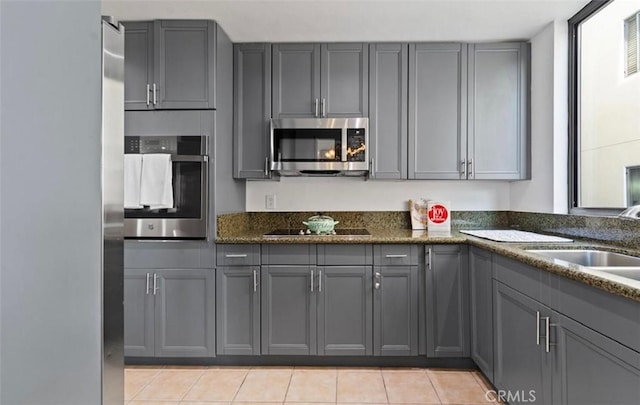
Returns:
<point x="604" y="107"/>
<point x="631" y="45"/>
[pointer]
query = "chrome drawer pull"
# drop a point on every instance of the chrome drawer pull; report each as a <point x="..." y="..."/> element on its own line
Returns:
<point x="394" y="256"/>
<point x="235" y="255"/>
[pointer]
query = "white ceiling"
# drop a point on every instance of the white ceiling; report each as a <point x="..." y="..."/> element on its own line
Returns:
<point x="358" y="20"/>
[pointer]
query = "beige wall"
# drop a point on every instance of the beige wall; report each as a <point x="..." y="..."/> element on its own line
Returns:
<point x="610" y="108"/>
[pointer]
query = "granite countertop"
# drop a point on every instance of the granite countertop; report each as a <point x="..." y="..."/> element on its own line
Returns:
<point x="517" y="251"/>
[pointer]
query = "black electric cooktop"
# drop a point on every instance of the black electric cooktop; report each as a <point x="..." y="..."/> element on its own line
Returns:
<point x="339" y="232"/>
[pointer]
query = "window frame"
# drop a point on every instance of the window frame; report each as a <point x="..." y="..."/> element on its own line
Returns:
<point x="574" y="113"/>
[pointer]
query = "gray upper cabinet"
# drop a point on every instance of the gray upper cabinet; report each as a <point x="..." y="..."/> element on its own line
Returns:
<point x="395" y="310"/>
<point x="447" y="291"/>
<point x="481" y="308"/>
<point x="437" y="111"/>
<point x="388" y="110"/>
<point x="345" y="318"/>
<point x="138" y="56"/>
<point x="344" y="82"/>
<point x="498" y="108"/>
<point x="252" y="110"/>
<point x="289" y="316"/>
<point x="170" y="64"/>
<point x="320" y="80"/>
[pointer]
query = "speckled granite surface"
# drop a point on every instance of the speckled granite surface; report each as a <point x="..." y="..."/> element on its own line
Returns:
<point x="612" y="234"/>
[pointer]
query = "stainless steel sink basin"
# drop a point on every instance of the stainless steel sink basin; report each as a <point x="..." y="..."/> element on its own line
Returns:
<point x="591" y="258"/>
<point x="633" y="274"/>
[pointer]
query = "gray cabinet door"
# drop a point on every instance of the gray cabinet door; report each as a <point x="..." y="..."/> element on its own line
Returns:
<point x="344" y="80"/>
<point x="388" y="110"/>
<point x="481" y="308"/>
<point x="395" y="311"/>
<point x="447" y="301"/>
<point x="498" y="111"/>
<point x="590" y="368"/>
<point x="238" y="310"/>
<point x="520" y="364"/>
<point x="252" y="102"/>
<point x="296" y="81"/>
<point x="185" y="310"/>
<point x="345" y="308"/>
<point x="138" y="65"/>
<point x="437" y="111"/>
<point x="138" y="313"/>
<point x="185" y="64"/>
<point x="289" y="310"/>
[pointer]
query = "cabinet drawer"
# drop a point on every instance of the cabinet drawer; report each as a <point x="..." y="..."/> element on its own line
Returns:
<point x="520" y="277"/>
<point x="167" y="255"/>
<point x="395" y="255"/>
<point x="238" y="255"/>
<point x="289" y="254"/>
<point x="345" y="255"/>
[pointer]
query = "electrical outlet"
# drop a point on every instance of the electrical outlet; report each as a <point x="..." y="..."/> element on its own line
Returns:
<point x="270" y="201"/>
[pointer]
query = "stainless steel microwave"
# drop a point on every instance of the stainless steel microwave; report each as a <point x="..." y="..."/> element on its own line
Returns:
<point x="320" y="146"/>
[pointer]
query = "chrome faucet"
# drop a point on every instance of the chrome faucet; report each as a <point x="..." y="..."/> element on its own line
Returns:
<point x="632" y="212"/>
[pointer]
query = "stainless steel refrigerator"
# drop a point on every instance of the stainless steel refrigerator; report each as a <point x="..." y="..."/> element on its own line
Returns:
<point x="112" y="211"/>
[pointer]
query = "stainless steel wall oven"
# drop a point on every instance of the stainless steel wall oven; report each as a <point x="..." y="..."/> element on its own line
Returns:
<point x="187" y="219"/>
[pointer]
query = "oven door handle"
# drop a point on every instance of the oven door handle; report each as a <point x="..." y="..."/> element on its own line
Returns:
<point x="189" y="158"/>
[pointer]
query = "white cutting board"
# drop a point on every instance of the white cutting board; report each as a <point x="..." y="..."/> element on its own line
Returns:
<point x="515" y="236"/>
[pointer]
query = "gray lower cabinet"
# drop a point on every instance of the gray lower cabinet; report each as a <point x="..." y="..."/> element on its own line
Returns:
<point x="170" y="64"/>
<point x="252" y="110"/>
<point x="345" y="310"/>
<point x="169" y="313"/>
<point x="395" y="311"/>
<point x="498" y="111"/>
<point x="289" y="313"/>
<point x="238" y="310"/>
<point x="481" y="309"/>
<point x="138" y="313"/>
<point x="320" y="80"/>
<point x="388" y="110"/>
<point x="590" y="368"/>
<point x="437" y="111"/>
<point x="521" y="368"/>
<point x="447" y="292"/>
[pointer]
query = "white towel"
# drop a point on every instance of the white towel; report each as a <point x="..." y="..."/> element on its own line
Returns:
<point x="132" y="173"/>
<point x="156" y="189"/>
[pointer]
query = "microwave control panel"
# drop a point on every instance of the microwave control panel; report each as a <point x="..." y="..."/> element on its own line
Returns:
<point x="356" y="145"/>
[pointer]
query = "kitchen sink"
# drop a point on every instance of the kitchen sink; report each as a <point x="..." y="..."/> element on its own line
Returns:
<point x="633" y="274"/>
<point x="591" y="258"/>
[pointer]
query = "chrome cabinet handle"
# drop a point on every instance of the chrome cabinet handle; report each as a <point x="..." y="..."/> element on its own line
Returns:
<point x="463" y="168"/>
<point x="266" y="166"/>
<point x="155" y="95"/>
<point x="469" y="166"/>
<point x="148" y="282"/>
<point x="148" y="91"/>
<point x="372" y="168"/>
<point x="315" y="108"/>
<point x="429" y="258"/>
<point x="311" y="280"/>
<point x="319" y="280"/>
<point x="155" y="283"/>
<point x="378" y="280"/>
<point x="394" y="256"/>
<point x="538" y="328"/>
<point x="324" y="112"/>
<point x="255" y="281"/>
<point x="547" y="327"/>
<point x="235" y="255"/>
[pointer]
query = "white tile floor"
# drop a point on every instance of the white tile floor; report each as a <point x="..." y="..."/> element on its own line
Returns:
<point x="167" y="385"/>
